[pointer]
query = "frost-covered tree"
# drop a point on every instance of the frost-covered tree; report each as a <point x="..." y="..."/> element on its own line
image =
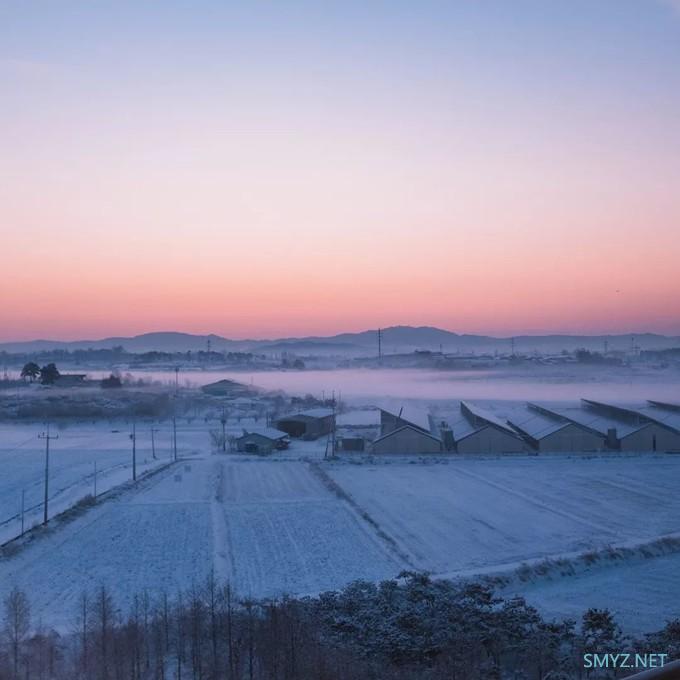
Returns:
<point x="17" y="623"/>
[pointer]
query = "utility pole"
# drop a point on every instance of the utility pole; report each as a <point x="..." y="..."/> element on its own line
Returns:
<point x="333" y="433"/>
<point x="176" y="380"/>
<point x="47" y="437"/>
<point x="379" y="344"/>
<point x="23" y="506"/>
<point x="512" y="343"/>
<point x="174" y="437"/>
<point x="153" y="442"/>
<point x="223" y="420"/>
<point x="133" y="437"/>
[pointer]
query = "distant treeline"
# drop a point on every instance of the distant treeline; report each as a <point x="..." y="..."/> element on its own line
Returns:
<point x="120" y="355"/>
<point x="412" y="627"/>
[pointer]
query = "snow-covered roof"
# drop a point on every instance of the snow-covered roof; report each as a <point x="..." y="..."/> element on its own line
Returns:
<point x="268" y="432"/>
<point x="462" y="427"/>
<point x="486" y="416"/>
<point x="419" y="430"/>
<point x="309" y="413"/>
<point x="360" y="417"/>
<point x="535" y="425"/>
<point x="595" y="421"/>
<point x="408" y="413"/>
<point x="647" y="411"/>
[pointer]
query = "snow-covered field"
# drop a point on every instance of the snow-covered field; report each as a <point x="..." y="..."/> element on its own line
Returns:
<point x="279" y="525"/>
<point x="75" y="451"/>
<point x="467" y="514"/>
<point x="642" y="594"/>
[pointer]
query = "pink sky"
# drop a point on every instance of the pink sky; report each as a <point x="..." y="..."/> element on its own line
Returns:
<point x="148" y="185"/>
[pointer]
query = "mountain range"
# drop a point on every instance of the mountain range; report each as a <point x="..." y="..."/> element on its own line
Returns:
<point x="394" y="339"/>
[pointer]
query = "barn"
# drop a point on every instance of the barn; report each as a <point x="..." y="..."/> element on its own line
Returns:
<point x="262" y="440"/>
<point x="478" y="430"/>
<point x="407" y="440"/>
<point x="390" y="421"/>
<point x="657" y="429"/>
<point x="549" y="433"/>
<point x="623" y="428"/>
<point x="310" y="424"/>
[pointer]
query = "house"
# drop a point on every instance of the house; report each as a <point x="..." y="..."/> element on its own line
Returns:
<point x="309" y="424"/>
<point x="262" y="440"/>
<point x="407" y="439"/>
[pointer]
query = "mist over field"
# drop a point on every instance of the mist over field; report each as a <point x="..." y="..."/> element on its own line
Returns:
<point x="339" y="340"/>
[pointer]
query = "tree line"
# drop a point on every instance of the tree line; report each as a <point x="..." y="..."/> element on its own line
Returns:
<point x="410" y="627"/>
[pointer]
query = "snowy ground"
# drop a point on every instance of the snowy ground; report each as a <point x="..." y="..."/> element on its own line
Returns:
<point x="268" y="527"/>
<point x="477" y="513"/>
<point x="642" y="593"/>
<point x="72" y="467"/>
<point x="293" y="525"/>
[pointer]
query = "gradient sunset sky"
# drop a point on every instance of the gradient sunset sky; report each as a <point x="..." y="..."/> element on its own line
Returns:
<point x="268" y="169"/>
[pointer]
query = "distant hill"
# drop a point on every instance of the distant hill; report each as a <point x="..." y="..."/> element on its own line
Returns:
<point x="394" y="339"/>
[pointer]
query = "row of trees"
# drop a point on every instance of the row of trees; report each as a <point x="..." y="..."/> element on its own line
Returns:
<point x="48" y="374"/>
<point x="407" y="628"/>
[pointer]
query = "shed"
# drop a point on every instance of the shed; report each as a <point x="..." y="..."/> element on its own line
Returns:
<point x="309" y="424"/>
<point x="262" y="440"/>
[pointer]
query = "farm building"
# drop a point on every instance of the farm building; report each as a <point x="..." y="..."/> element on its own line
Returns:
<point x="350" y="441"/>
<point x="227" y="388"/>
<point x="478" y="430"/>
<point x="262" y="440"/>
<point x="406" y="432"/>
<point x="71" y="380"/>
<point x="406" y="416"/>
<point x="549" y="432"/>
<point x="622" y="431"/>
<point x="309" y="424"/>
<point x="660" y="429"/>
<point x="407" y="440"/>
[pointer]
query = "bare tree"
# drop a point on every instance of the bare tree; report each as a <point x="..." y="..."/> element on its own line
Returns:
<point x="17" y="623"/>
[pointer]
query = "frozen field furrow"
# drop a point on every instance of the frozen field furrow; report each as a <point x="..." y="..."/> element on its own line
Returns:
<point x="272" y="527"/>
<point x="469" y="513"/>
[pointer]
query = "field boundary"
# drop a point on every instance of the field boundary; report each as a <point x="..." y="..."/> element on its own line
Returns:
<point x="336" y="489"/>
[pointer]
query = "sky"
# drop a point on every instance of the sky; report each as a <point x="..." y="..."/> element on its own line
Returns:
<point x="269" y="169"/>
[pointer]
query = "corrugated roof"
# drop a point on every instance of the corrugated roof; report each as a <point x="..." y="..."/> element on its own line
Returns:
<point x="487" y="416"/>
<point x="536" y="425"/>
<point x="268" y="432"/>
<point x="649" y="412"/>
<point x="410" y="414"/>
<point x="590" y="419"/>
